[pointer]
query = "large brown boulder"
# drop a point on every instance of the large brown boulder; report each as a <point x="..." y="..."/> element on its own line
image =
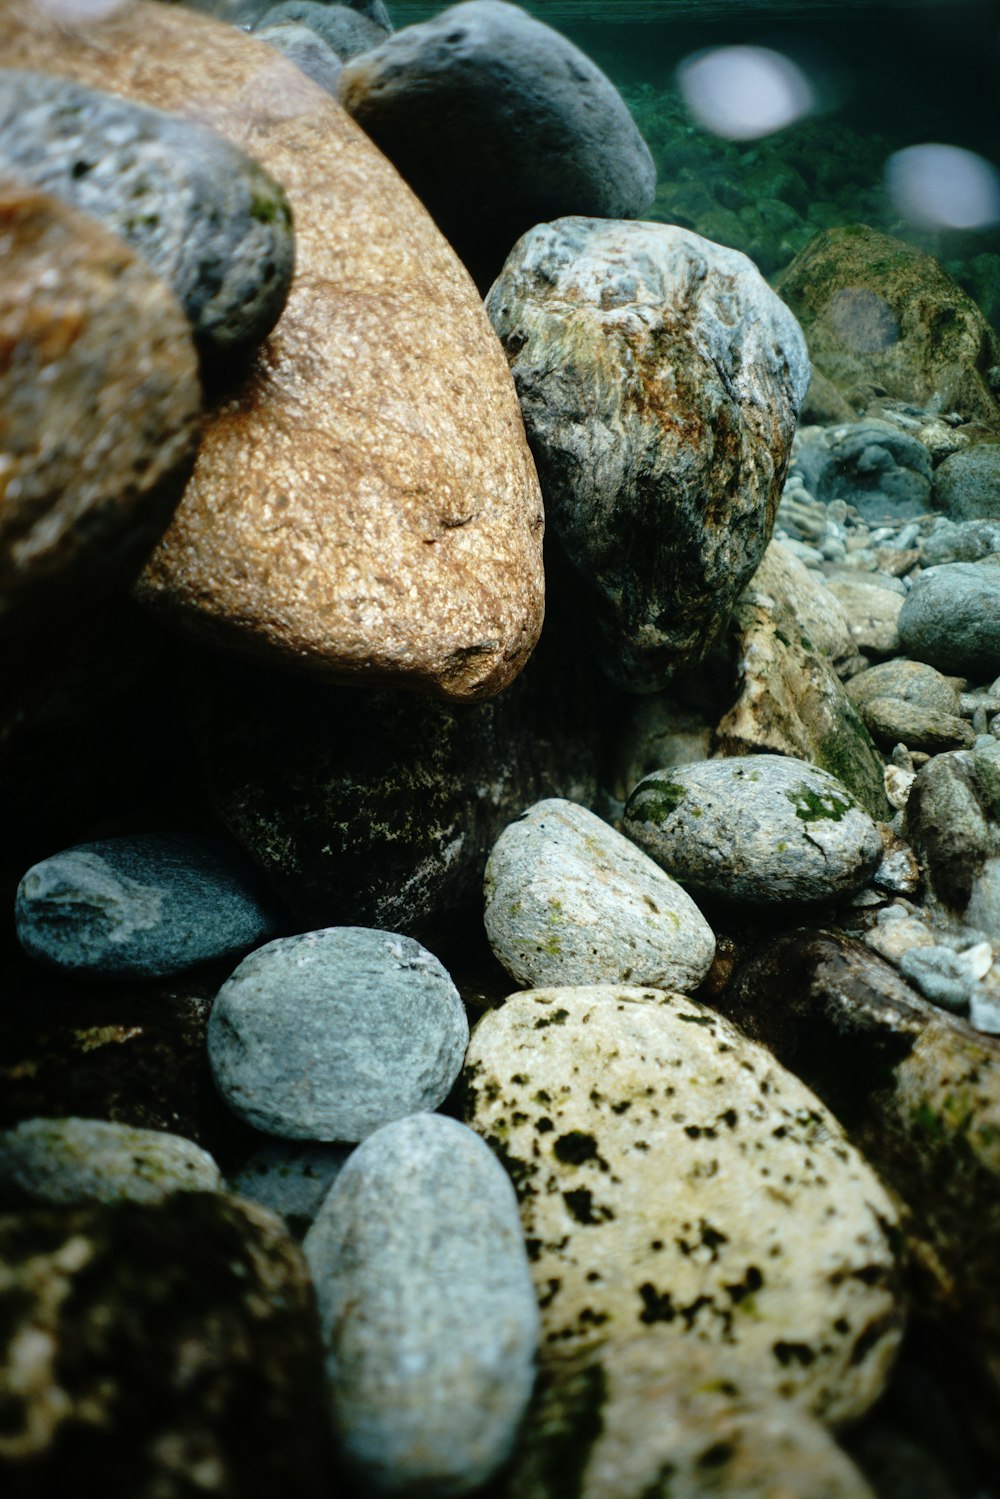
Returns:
<point x="881" y="317"/>
<point x="364" y="505"/>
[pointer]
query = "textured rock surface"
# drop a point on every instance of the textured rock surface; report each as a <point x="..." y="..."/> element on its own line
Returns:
<point x="639" y="1418"/>
<point x="305" y="49"/>
<point x="159" y="1350"/>
<point x="99" y="405"/>
<point x="961" y="541"/>
<point x="759" y="829"/>
<point x="967" y="484"/>
<point x="799" y="595"/>
<point x="878" y="469"/>
<point x="674" y="1180"/>
<point x="381" y="808"/>
<point x="919" y="1092"/>
<point x="344" y="30"/>
<point x="70" y="1161"/>
<point x="498" y="123"/>
<point x="570" y="901"/>
<point x="427" y="1306"/>
<point x="205" y="216"/>
<point x="872" y="612"/>
<point x="882" y="317"/>
<point x="791" y="702"/>
<point x="907" y="682"/>
<point x="147" y="906"/>
<point x="329" y="1035"/>
<point x="660" y="380"/>
<point x="290" y="1179"/>
<point x="892" y="722"/>
<point x="953" y="821"/>
<point x="364" y="505"/>
<point x="951" y="619"/>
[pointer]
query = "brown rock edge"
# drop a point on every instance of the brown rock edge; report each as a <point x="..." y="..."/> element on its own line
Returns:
<point x="364" y="505"/>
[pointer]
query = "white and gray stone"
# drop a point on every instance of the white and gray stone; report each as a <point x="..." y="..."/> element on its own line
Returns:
<point x="143" y="906"/>
<point x="428" y="1311"/>
<point x="73" y="1161"/>
<point x="676" y="1181"/>
<point x="760" y="829"/>
<point x="872" y="611"/>
<point x="329" y="1035"/>
<point x="498" y="122"/>
<point x="660" y="378"/>
<point x="305" y="49"/>
<point x="206" y="216"/>
<point x="571" y="901"/>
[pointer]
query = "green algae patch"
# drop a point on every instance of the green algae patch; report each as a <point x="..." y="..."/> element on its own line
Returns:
<point x="659" y="800"/>
<point x="818" y="806"/>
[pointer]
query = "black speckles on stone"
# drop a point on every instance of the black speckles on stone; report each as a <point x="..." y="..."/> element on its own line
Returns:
<point x="581" y="1204"/>
<point x="752" y="1282"/>
<point x="558" y="1017"/>
<point x="794" y="1353"/>
<point x="657" y="1306"/>
<point x="544" y="1126"/>
<point x="716" y="1456"/>
<point x="554" y="1286"/>
<point x="697" y="1019"/>
<point x="730" y="1118"/>
<point x="622" y="1106"/>
<point x="872" y="1335"/>
<point x="577" y="1148"/>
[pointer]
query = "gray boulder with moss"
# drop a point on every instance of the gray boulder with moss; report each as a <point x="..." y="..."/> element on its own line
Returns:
<point x="758" y="830"/>
<point x="69" y="1161"/>
<point x="208" y="219"/>
<point x="660" y="379"/>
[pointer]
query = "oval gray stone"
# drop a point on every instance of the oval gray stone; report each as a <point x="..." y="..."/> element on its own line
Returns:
<point x="305" y="49"/>
<point x="909" y="682"/>
<point x="951" y="619"/>
<point x="761" y="830"/>
<point x="571" y="901"/>
<point x="660" y="379"/>
<point x="344" y="30"/>
<point x="427" y="1306"/>
<point x="967" y="485"/>
<point x="72" y="1161"/>
<point x="497" y="122"/>
<point x="208" y="219"/>
<point x="329" y="1035"/>
<point x="140" y="907"/>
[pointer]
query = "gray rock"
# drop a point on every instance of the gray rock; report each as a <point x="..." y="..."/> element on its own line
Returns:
<point x="891" y="722"/>
<point x="640" y="1418"/>
<point x="908" y="682"/>
<point x="159" y="1349"/>
<point x="146" y="906"/>
<point x="305" y="49"/>
<point x="872" y="611"/>
<point x="677" y="1183"/>
<point x="968" y="541"/>
<point x="208" y="219"/>
<point x="940" y="975"/>
<point x="427" y="1307"/>
<point x="290" y="1179"/>
<point x="659" y="378"/>
<point x="246" y="12"/>
<point x="762" y="829"/>
<point x="952" y="821"/>
<point x="967" y="485"/>
<point x="655" y="731"/>
<point x="70" y="1161"/>
<point x="951" y="619"/>
<point x="570" y="901"/>
<point x="344" y="30"/>
<point x="799" y="595"/>
<point x="878" y="469"/>
<point x="499" y="123"/>
<point x="332" y="1034"/>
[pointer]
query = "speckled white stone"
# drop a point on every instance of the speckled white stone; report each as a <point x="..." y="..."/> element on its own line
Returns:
<point x="570" y="901"/>
<point x="675" y="1179"/>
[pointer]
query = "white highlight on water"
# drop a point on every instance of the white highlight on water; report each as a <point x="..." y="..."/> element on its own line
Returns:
<point x="742" y="93"/>
<point x="943" y="187"/>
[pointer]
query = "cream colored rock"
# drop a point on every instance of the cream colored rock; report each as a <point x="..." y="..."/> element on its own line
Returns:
<point x="800" y="595"/>
<point x="364" y="505"/>
<point x="674" y="1179"/>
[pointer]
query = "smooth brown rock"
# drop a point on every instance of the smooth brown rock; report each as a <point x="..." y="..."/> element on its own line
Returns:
<point x="364" y="506"/>
<point x="99" y="409"/>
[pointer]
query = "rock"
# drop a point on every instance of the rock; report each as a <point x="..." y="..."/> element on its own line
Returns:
<point x="427" y="1307"/>
<point x="653" y="732"/>
<point x="952" y="821"/>
<point x="792" y="703"/>
<point x="675" y="1182"/>
<point x="246" y="12"/>
<point x="344" y="30"/>
<point x="160" y="1349"/>
<point x="135" y="1056"/>
<point x="332" y="1034"/>
<point x="145" y="906"/>
<point x="758" y="830"/>
<point x="879" y="470"/>
<point x="891" y="722"/>
<point x="638" y="1418"/>
<point x="944" y="977"/>
<point x="290" y="1179"/>
<point x="965" y="541"/>
<point x="951" y="619"/>
<point x="570" y="901"/>
<point x="205" y="216"/>
<point x="918" y="1091"/>
<point x="799" y="596"/>
<point x="60" y="1162"/>
<point x="499" y="123"/>
<point x="99" y="407"/>
<point x="873" y="613"/>
<point x="364" y="505"/>
<point x="305" y="49"/>
<point x="907" y="682"/>
<point x="882" y="317"/>
<point x="967" y="485"/>
<point x="659" y="378"/>
<point x="379" y="809"/>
